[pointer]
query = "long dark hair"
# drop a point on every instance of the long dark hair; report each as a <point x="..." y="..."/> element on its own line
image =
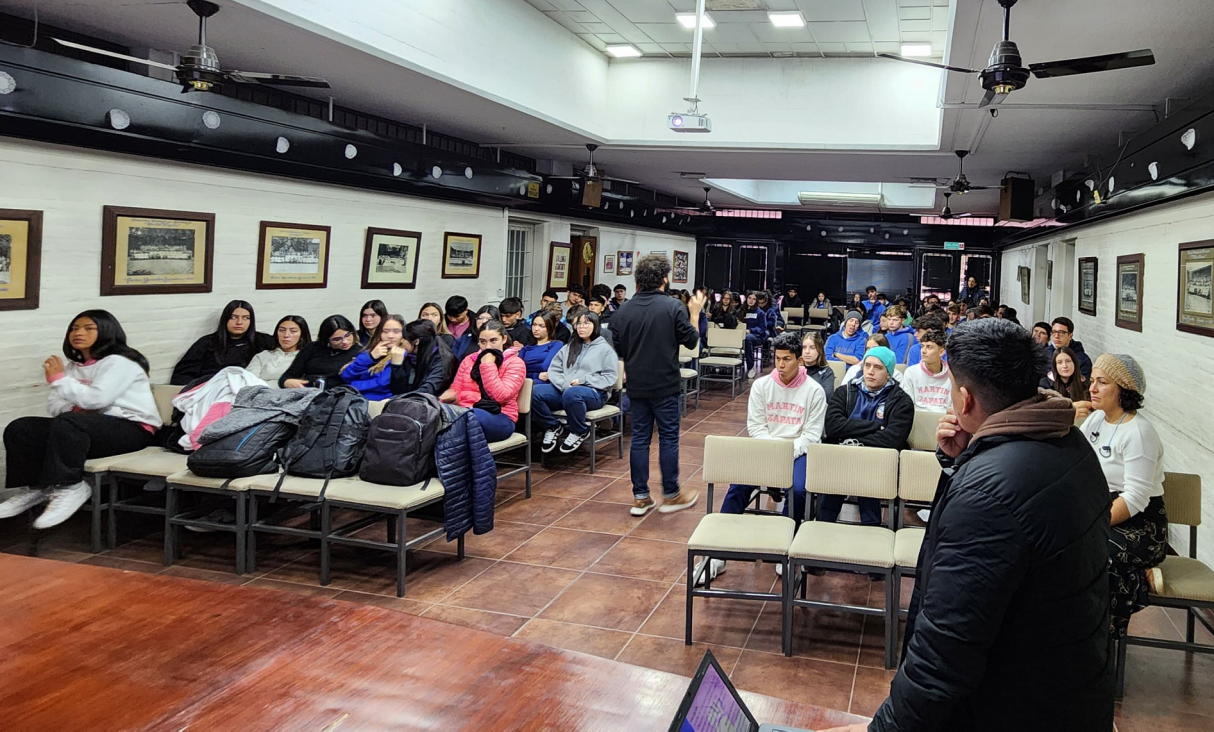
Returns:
<point x="380" y="309"/>
<point x="427" y="347"/>
<point x="331" y="325"/>
<point x="576" y="343"/>
<point x="493" y="315"/>
<point x="550" y="322"/>
<point x="111" y="340"/>
<point x="1074" y="388"/>
<point x="222" y="336"/>
<point x="305" y="335"/>
<point x="441" y="328"/>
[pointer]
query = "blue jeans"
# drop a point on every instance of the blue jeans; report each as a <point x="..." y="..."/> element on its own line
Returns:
<point x="739" y="496"/>
<point x="645" y="412"/>
<point x="753" y="343"/>
<point x="576" y="401"/>
<point x="496" y="427"/>
<point x="870" y="509"/>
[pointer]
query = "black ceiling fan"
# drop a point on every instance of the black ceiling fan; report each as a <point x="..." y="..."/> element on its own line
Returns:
<point x="1005" y="72"/>
<point x="959" y="185"/>
<point x="947" y="213"/>
<point x="591" y="172"/>
<point x="199" y="68"/>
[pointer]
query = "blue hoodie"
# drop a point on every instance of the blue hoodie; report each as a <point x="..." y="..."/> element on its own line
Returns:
<point x="539" y="357"/>
<point x="774" y="320"/>
<point x="873" y="310"/>
<point x="900" y="343"/>
<point x="756" y="323"/>
<point x="375" y="387"/>
<point x="867" y="401"/>
<point x="840" y="343"/>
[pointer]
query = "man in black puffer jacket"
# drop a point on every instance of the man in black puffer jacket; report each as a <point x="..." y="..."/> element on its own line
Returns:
<point x="1009" y="621"/>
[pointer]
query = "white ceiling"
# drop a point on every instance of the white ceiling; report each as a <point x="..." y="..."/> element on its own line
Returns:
<point x="833" y="27"/>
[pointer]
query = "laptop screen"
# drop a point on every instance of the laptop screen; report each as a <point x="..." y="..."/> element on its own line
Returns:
<point x="712" y="704"/>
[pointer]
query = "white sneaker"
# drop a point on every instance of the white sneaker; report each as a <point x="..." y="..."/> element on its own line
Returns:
<point x="573" y="442"/>
<point x="923" y="514"/>
<point x="21" y="500"/>
<point x="550" y="438"/>
<point x="779" y="570"/>
<point x="714" y="570"/>
<point x="65" y="501"/>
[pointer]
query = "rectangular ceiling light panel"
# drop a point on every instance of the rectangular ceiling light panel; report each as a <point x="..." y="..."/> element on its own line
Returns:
<point x="917" y="49"/>
<point x="792" y="19"/>
<point x="624" y="51"/>
<point x="688" y="20"/>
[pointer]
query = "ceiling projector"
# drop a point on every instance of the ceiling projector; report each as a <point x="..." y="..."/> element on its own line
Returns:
<point x="689" y="122"/>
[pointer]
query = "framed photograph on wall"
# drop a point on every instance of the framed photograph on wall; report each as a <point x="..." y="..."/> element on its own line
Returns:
<point x="146" y="251"/>
<point x="390" y="258"/>
<point x="678" y="270"/>
<point x="292" y="256"/>
<point x="624" y="265"/>
<point x="20" y="258"/>
<point x="1025" y="276"/>
<point x="1088" y="267"/>
<point x="609" y="263"/>
<point x="559" y="255"/>
<point x="1194" y="306"/>
<point x="1129" y="292"/>
<point x="461" y="256"/>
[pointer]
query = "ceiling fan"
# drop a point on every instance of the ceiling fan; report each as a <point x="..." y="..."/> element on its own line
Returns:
<point x="1005" y="73"/>
<point x="199" y="68"/>
<point x="591" y="172"/>
<point x="947" y="213"/>
<point x="959" y="185"/>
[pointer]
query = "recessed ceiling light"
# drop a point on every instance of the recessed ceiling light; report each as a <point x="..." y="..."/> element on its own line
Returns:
<point x="468" y="173"/>
<point x="792" y="19"/>
<point x="436" y="172"/>
<point x="211" y="120"/>
<point x="626" y="51"/>
<point x="351" y="152"/>
<point x="916" y="49"/>
<point x="397" y="169"/>
<point x="688" y="20"/>
<point x="119" y="120"/>
<point x="8" y="84"/>
<point x="281" y="145"/>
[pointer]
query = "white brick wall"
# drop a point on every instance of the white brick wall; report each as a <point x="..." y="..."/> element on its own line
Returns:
<point x="1180" y="392"/>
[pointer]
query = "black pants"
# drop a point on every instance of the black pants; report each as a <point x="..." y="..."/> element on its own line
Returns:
<point x="1135" y="545"/>
<point x="47" y="451"/>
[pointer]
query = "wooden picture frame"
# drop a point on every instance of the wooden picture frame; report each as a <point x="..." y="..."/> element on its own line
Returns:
<point x="20" y="258"/>
<point x="461" y="256"/>
<point x="390" y="259"/>
<point x="1087" y="284"/>
<point x="1127" y="305"/>
<point x="609" y="264"/>
<point x="623" y="263"/>
<point x="1194" y="299"/>
<point x="292" y="256"/>
<point x="1025" y="276"/>
<point x="150" y="251"/>
<point x="680" y="264"/>
<point x="560" y="265"/>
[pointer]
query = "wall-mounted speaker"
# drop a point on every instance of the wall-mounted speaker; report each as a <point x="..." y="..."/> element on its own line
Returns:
<point x="1016" y="199"/>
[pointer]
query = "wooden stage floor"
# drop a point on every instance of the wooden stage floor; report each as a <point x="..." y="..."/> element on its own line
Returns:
<point x="92" y="648"/>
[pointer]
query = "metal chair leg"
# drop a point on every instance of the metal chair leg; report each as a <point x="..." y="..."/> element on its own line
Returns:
<point x="786" y="608"/>
<point x="710" y="502"/>
<point x="1119" y="691"/>
<point x="391" y="529"/>
<point x="459" y="547"/>
<point x="400" y="554"/>
<point x="111" y="538"/>
<point x="891" y="619"/>
<point x="594" y="436"/>
<point x="242" y="531"/>
<point x="170" y="531"/>
<point x="326" y="525"/>
<point x="96" y="517"/>
<point x="691" y="581"/>
<point x="251" y="553"/>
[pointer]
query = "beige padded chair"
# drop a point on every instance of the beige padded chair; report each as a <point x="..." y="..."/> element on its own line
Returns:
<point x="840" y="370"/>
<point x="607" y="411"/>
<point x="517" y="441"/>
<point x="744" y="537"/>
<point x="101" y="471"/>
<point x="923" y="431"/>
<point x="1188" y="583"/>
<point x="900" y="368"/>
<point x="725" y="353"/>
<point x="918" y="476"/>
<point x="799" y="314"/>
<point x="187" y="482"/>
<point x="856" y="471"/>
<point x="689" y="377"/>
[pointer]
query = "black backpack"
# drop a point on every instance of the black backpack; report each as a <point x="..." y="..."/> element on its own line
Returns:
<point x="251" y="451"/>
<point x="330" y="440"/>
<point x="400" y="445"/>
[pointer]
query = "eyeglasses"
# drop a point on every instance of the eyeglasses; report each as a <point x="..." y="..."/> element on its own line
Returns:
<point x="1060" y="332"/>
<point x="391" y="331"/>
<point x="338" y="340"/>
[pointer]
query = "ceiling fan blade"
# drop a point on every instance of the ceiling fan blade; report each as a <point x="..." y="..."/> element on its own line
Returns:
<point x="253" y="77"/>
<point x="981" y="188"/>
<point x="926" y="63"/>
<point x="124" y="57"/>
<point x="1092" y="64"/>
<point x="613" y="179"/>
<point x="991" y="98"/>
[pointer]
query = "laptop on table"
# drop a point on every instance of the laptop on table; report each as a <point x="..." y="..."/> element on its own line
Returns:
<point x="712" y="704"/>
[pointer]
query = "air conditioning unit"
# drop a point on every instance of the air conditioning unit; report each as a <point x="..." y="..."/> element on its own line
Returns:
<point x="827" y="198"/>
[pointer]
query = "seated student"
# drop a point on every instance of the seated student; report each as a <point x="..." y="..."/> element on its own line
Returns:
<point x="756" y="333"/>
<point x="234" y="343"/>
<point x="848" y="344"/>
<point x="900" y="336"/>
<point x="293" y="335"/>
<point x="873" y="412"/>
<point x="575" y="295"/>
<point x="600" y="307"/>
<point x="373" y="368"/>
<point x="539" y="356"/>
<point x="857" y="302"/>
<point x="511" y="310"/>
<point x="982" y="311"/>
<point x="600" y="290"/>
<point x="100" y="404"/>
<point x="931" y="320"/>
<point x="702" y="326"/>
<point x="458" y="320"/>
<point x="813" y="358"/>
<point x="488" y="382"/>
<point x="793" y="300"/>
<point x="580" y="379"/>
<point x="872" y="307"/>
<point x="546" y="299"/>
<point x="1064" y="377"/>
<point x="605" y="332"/>
<point x="928" y="382"/>
<point x="1062" y="333"/>
<point x="1010" y="314"/>
<point x="369" y="318"/>
<point x="775" y="321"/>
<point x="855" y="372"/>
<point x="821" y="302"/>
<point x="431" y="365"/>
<point x="725" y="313"/>
<point x="466" y="343"/>
<point x="1041" y="333"/>
<point x="320" y="363"/>
<point x="432" y="312"/>
<point x="620" y="293"/>
<point x="563" y="334"/>
<point x="955" y="311"/>
<point x="783" y="405"/>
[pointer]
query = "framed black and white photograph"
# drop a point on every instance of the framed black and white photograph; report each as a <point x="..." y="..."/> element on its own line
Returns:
<point x="1129" y="292"/>
<point x="155" y="252"/>
<point x="461" y="256"/>
<point x="1025" y="275"/>
<point x="390" y="258"/>
<point x="20" y="258"/>
<point x="1194" y="299"/>
<point x="678" y="270"/>
<point x="292" y="256"/>
<point x="1088" y="269"/>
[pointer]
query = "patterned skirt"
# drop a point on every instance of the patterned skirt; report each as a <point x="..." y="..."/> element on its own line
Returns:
<point x="1135" y="546"/>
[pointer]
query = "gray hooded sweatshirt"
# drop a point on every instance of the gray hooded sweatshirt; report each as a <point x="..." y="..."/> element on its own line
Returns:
<point x="597" y="367"/>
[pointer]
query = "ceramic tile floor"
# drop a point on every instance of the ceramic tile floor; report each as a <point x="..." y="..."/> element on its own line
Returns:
<point x="571" y="568"/>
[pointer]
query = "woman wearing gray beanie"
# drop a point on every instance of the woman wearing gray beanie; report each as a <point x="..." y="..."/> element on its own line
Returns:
<point x="1131" y="454"/>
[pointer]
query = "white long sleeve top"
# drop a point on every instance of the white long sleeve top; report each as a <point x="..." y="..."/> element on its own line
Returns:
<point x="794" y="412"/>
<point x="1134" y="464"/>
<point x="114" y="386"/>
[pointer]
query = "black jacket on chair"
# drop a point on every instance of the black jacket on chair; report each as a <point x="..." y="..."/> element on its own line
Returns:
<point x="1009" y="621"/>
<point x="891" y="431"/>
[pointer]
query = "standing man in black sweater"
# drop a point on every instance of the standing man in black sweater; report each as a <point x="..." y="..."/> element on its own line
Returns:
<point x="648" y="331"/>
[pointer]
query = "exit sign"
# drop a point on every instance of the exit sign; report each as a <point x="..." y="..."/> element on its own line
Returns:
<point x="954" y="245"/>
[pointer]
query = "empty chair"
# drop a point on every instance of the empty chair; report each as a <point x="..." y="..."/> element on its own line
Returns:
<point x="690" y="377"/>
<point x="923" y="431"/>
<point x="840" y="370"/>
<point x="725" y="349"/>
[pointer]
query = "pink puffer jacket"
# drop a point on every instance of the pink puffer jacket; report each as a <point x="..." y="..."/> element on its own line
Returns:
<point x="502" y="383"/>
